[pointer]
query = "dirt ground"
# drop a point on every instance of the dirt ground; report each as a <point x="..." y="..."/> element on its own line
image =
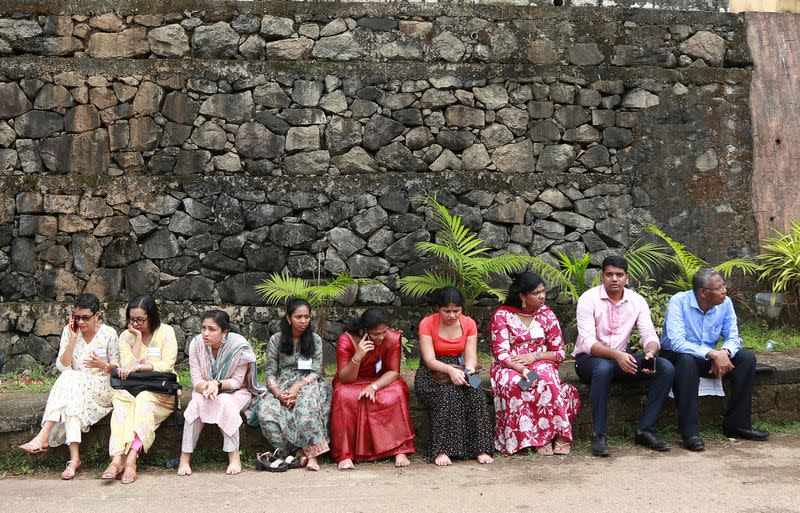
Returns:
<point x="729" y="476"/>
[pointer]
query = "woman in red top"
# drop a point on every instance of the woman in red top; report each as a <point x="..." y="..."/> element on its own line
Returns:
<point x="370" y="418"/>
<point x="448" y="345"/>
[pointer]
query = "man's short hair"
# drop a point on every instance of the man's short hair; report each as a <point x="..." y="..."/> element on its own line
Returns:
<point x="615" y="261"/>
<point x="702" y="277"/>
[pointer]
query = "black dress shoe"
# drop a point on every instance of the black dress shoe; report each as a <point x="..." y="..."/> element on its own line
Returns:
<point x="651" y="441"/>
<point x="600" y="446"/>
<point x="757" y="435"/>
<point x="694" y="443"/>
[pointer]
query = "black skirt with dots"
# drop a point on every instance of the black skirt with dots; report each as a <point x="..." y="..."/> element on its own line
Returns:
<point x="459" y="418"/>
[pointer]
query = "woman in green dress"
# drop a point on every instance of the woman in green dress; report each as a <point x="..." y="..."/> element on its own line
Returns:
<point x="294" y="416"/>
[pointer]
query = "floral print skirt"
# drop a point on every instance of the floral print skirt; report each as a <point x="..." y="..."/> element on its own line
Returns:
<point x="536" y="416"/>
<point x="303" y="426"/>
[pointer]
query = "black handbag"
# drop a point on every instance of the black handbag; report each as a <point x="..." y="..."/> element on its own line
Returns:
<point x="159" y="382"/>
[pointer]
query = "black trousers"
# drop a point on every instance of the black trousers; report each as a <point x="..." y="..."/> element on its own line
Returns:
<point x="688" y="371"/>
<point x="599" y="373"/>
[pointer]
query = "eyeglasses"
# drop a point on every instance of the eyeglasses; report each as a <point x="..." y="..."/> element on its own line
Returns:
<point x="84" y="318"/>
<point x="137" y="320"/>
<point x="718" y="290"/>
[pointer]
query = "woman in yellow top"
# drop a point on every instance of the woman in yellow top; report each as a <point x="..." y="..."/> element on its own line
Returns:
<point x="146" y="346"/>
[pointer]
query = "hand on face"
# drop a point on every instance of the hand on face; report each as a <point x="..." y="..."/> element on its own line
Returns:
<point x="365" y="345"/>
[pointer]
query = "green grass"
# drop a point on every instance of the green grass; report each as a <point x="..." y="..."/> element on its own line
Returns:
<point x="33" y="380"/>
<point x="755" y="335"/>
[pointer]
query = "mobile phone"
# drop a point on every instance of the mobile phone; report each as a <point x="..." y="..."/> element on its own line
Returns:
<point x="74" y="325"/>
<point x="649" y="365"/>
<point x="525" y="384"/>
<point x="474" y="379"/>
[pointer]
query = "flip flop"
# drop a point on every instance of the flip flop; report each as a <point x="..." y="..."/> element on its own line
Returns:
<point x="34" y="447"/>
<point x="112" y="472"/>
<point x="69" y="472"/>
<point x="129" y="475"/>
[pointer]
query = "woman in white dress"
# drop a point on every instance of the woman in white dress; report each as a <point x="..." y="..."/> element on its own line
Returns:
<point x="81" y="395"/>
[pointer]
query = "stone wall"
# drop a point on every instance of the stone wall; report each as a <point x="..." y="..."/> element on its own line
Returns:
<point x="194" y="172"/>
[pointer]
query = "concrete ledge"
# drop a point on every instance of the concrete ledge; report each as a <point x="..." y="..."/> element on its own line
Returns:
<point x="776" y="399"/>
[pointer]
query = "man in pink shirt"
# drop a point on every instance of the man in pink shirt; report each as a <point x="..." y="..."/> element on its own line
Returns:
<point x="607" y="315"/>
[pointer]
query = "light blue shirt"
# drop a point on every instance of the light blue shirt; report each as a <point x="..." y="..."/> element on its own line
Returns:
<point x="687" y="329"/>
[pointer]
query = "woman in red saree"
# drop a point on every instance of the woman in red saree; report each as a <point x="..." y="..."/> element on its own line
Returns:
<point x="370" y="418"/>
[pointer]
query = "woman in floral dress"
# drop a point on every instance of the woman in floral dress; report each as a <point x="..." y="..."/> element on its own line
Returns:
<point x="81" y="395"/>
<point x="526" y="337"/>
<point x="294" y="415"/>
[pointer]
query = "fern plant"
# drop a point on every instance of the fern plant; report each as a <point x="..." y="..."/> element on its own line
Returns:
<point x="278" y="288"/>
<point x="780" y="261"/>
<point x="688" y="263"/>
<point x="463" y="256"/>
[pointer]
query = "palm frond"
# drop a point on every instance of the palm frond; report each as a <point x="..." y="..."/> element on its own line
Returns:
<point x="780" y="261"/>
<point x="420" y="286"/>
<point x="502" y="264"/>
<point x="643" y="260"/>
<point x="326" y="293"/>
<point x="279" y="287"/>
<point x="746" y="265"/>
<point x="554" y="276"/>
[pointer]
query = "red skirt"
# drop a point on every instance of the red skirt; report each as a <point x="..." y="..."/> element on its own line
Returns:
<point x="362" y="430"/>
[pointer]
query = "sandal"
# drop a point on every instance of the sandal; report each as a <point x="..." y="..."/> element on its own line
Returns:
<point x="292" y="462"/>
<point x="34" y="447"/>
<point x="562" y="448"/>
<point x="129" y="475"/>
<point x="545" y="450"/>
<point x="69" y="472"/>
<point x="112" y="472"/>
<point x="268" y="462"/>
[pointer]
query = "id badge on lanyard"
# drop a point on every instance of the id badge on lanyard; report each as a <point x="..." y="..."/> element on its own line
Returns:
<point x="304" y="364"/>
<point x="154" y="352"/>
<point x="101" y="353"/>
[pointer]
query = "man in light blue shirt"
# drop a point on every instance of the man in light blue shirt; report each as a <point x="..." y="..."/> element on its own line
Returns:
<point x="695" y="322"/>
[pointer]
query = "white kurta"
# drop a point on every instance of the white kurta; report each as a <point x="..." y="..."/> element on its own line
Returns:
<point x="81" y="395"/>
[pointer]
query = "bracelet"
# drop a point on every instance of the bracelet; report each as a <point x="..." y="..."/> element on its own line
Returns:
<point x="356" y="362"/>
<point x="537" y="356"/>
<point x="375" y="388"/>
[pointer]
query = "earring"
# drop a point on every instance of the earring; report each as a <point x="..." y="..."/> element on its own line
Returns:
<point x="524" y="304"/>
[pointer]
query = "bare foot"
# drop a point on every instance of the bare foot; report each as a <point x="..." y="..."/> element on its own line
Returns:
<point x="484" y="458"/>
<point x="401" y="460"/>
<point x="346" y="464"/>
<point x="184" y="468"/>
<point x="443" y="460"/>
<point x="234" y="464"/>
<point x="312" y="464"/>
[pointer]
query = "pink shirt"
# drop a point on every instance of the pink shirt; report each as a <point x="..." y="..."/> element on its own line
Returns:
<point x="601" y="321"/>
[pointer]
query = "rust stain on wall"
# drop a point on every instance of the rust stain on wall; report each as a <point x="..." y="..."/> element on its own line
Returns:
<point x="774" y="40"/>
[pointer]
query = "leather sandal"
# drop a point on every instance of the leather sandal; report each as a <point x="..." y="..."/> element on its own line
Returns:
<point x="268" y="462"/>
<point x="545" y="450"/>
<point x="113" y="472"/>
<point x="69" y="472"/>
<point x="129" y="475"/>
<point x="562" y="448"/>
<point x="34" y="447"/>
